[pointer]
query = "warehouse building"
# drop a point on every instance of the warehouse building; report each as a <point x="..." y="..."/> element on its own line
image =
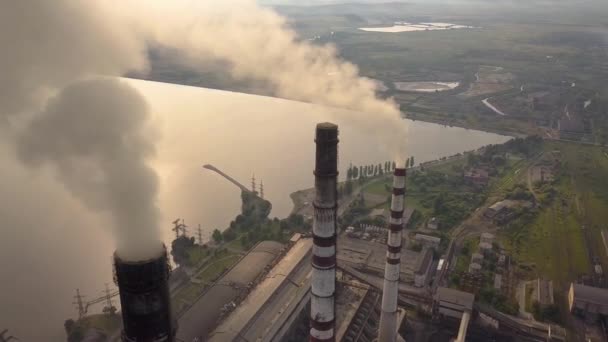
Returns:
<point x="587" y="300"/>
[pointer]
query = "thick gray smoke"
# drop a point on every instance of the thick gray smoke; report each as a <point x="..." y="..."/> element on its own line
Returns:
<point x="91" y="132"/>
<point x="257" y="44"/>
<point x="48" y="44"/>
<point x="95" y="135"/>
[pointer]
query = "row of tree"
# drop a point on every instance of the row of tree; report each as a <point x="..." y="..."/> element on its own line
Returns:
<point x="364" y="171"/>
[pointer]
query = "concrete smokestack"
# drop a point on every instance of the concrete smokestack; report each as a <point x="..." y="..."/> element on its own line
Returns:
<point x="322" y="305"/>
<point x="144" y="297"/>
<point x="388" y="318"/>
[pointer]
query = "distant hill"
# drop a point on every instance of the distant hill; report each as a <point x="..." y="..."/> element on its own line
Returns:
<point x="450" y="2"/>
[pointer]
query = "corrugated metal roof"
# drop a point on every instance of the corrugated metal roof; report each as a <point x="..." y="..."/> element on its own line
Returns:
<point x="590" y="294"/>
<point x="461" y="298"/>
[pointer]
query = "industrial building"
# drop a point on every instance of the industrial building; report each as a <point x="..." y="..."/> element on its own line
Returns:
<point x="487" y="238"/>
<point x="298" y="291"/>
<point x="477" y="258"/>
<point x="453" y="303"/>
<point x="275" y="300"/>
<point x="423" y="268"/>
<point x="370" y="257"/>
<point x="587" y="300"/>
<point x="474" y="267"/>
<point x="427" y="240"/>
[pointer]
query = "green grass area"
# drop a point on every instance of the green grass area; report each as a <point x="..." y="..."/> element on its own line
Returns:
<point x="109" y="324"/>
<point x="462" y="263"/>
<point x="235" y="245"/>
<point x="197" y="254"/>
<point x="379" y="187"/>
<point x="514" y="173"/>
<point x="528" y="299"/>
<point x="451" y="167"/>
<point x="217" y="267"/>
<point x="207" y="274"/>
<point x="438" y="191"/>
<point x="553" y="244"/>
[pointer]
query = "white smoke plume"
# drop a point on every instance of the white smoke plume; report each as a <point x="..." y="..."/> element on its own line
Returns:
<point x="96" y="135"/>
<point x="48" y="44"/>
<point x="93" y="132"/>
<point x="257" y="44"/>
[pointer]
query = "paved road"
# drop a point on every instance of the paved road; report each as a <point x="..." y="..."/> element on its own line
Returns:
<point x="487" y="103"/>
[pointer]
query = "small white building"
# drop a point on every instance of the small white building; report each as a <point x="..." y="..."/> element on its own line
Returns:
<point x="433" y="223"/>
<point x="485" y="248"/>
<point x="477" y="258"/>
<point x="497" y="282"/>
<point x="423" y="267"/>
<point x="487" y="238"/>
<point x="474" y="267"/>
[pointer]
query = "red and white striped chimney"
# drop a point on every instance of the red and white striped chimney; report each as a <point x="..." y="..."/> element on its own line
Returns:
<point x="322" y="304"/>
<point x="388" y="318"/>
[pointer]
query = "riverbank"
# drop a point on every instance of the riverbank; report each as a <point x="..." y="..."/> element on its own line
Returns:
<point x="515" y="133"/>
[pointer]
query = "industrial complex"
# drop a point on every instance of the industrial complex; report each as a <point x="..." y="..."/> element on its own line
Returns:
<point x="327" y="285"/>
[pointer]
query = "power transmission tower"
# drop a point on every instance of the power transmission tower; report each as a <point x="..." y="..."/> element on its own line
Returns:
<point x="200" y="235"/>
<point x="262" y="189"/>
<point x="179" y="227"/>
<point x="79" y="302"/>
<point x="176" y="228"/>
<point x="109" y="308"/>
<point x="183" y="228"/>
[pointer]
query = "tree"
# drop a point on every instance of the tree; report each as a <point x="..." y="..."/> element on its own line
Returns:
<point x="244" y="240"/>
<point x="349" y="173"/>
<point x="348" y="188"/>
<point x="412" y="161"/>
<point x="394" y="166"/>
<point x="180" y="248"/>
<point x="355" y="172"/>
<point x="229" y="235"/>
<point x="217" y="236"/>
<point x="69" y="325"/>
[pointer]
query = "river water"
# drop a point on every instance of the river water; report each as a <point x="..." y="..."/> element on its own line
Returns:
<point x="51" y="244"/>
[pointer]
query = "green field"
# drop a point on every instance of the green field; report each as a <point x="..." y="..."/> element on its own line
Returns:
<point x="204" y="276"/>
<point x="553" y="244"/>
<point x="439" y="191"/>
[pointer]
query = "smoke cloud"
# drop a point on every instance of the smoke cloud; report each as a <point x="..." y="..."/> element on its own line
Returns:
<point x="48" y="44"/>
<point x="257" y="44"/>
<point x="95" y="136"/>
<point x="93" y="132"/>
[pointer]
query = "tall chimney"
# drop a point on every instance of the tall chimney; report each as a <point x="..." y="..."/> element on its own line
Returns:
<point x="388" y="318"/>
<point x="144" y="297"/>
<point x="322" y="305"/>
